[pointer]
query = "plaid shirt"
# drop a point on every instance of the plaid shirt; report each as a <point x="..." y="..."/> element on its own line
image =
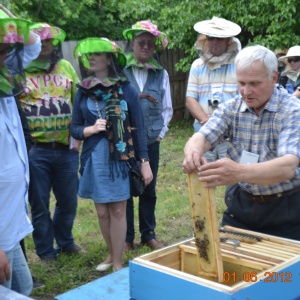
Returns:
<point x="273" y="133"/>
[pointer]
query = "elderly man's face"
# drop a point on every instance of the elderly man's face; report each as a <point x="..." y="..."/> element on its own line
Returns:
<point x="255" y="85"/>
<point x="143" y="47"/>
<point x="217" y="46"/>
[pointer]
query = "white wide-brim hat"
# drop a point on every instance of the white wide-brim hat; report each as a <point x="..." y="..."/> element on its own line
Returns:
<point x="218" y="27"/>
<point x="293" y="51"/>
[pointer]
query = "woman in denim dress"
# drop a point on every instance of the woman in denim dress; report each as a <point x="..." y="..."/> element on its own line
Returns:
<point x="107" y="116"/>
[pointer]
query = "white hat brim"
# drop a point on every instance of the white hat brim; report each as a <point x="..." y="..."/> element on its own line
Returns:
<point x="218" y="27"/>
<point x="293" y="51"/>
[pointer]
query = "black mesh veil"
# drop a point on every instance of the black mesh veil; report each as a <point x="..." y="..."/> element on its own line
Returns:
<point x="156" y="54"/>
<point x="12" y="76"/>
<point x="115" y="71"/>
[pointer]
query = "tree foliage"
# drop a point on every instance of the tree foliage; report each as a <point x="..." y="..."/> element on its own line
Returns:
<point x="274" y="24"/>
<point x="80" y="19"/>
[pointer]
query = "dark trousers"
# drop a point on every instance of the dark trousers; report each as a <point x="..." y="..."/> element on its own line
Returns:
<point x="57" y="170"/>
<point x="147" y="203"/>
<point x="280" y="217"/>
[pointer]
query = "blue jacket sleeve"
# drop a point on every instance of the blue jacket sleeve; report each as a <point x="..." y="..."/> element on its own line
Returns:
<point x="136" y="120"/>
<point x="77" y="125"/>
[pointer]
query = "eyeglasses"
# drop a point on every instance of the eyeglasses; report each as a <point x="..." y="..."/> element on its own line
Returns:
<point x="294" y="59"/>
<point x="143" y="43"/>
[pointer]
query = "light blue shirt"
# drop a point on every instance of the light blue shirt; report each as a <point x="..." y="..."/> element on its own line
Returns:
<point x="201" y="85"/>
<point x="14" y="168"/>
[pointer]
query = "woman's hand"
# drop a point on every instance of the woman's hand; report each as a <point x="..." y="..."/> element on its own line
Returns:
<point x="146" y="173"/>
<point x="100" y="125"/>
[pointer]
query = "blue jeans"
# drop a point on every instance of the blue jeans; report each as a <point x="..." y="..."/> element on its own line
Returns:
<point x="20" y="279"/>
<point x="56" y="169"/>
<point x="147" y="203"/>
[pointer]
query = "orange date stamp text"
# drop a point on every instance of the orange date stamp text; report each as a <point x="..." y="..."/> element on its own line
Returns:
<point x="253" y="277"/>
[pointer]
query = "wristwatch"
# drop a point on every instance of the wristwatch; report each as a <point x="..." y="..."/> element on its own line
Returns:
<point x="142" y="160"/>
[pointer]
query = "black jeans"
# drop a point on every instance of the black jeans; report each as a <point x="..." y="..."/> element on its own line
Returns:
<point x="280" y="217"/>
<point x="147" y="203"/>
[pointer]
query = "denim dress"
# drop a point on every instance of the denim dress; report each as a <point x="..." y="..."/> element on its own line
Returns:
<point x="101" y="181"/>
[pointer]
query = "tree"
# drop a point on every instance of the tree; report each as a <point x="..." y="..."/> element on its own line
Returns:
<point x="274" y="24"/>
<point x="80" y="19"/>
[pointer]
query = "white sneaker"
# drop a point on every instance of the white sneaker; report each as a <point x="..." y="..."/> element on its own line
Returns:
<point x="103" y="267"/>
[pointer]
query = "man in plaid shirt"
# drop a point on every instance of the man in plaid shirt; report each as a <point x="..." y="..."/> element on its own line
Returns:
<point x="262" y="170"/>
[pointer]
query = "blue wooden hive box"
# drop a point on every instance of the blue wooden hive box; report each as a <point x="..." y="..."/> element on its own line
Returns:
<point x="269" y="269"/>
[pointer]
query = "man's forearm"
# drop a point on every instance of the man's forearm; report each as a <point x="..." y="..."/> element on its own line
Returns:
<point x="199" y="142"/>
<point x="270" y="172"/>
<point x="196" y="110"/>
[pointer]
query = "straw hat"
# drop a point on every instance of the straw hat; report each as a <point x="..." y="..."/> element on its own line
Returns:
<point x="293" y="51"/>
<point x="218" y="27"/>
<point x="140" y="27"/>
<point x="92" y="45"/>
<point x="13" y="30"/>
<point x="45" y="31"/>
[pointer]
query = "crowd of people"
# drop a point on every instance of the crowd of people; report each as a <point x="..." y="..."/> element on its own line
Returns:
<point x="117" y="117"/>
<point x="246" y="136"/>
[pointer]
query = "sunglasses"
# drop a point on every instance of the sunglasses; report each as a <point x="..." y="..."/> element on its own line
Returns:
<point x="143" y="43"/>
<point x="294" y="59"/>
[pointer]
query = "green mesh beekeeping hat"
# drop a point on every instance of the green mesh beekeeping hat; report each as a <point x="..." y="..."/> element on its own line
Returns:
<point x="92" y="45"/>
<point x="45" y="31"/>
<point x="13" y="30"/>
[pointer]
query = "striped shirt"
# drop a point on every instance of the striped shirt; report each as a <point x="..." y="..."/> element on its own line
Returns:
<point x="273" y="133"/>
<point x="202" y="78"/>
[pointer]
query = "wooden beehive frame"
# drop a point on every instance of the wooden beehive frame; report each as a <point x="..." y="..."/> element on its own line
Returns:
<point x="206" y="229"/>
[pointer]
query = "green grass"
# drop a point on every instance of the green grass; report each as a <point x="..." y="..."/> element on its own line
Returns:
<point x="173" y="215"/>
